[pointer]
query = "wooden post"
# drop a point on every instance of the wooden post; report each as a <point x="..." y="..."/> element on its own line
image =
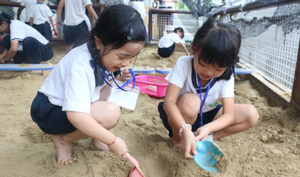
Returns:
<point x="150" y="25"/>
<point x="296" y="86"/>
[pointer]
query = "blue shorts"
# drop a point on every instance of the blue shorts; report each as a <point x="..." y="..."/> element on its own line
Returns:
<point x="166" y="52"/>
<point x="76" y="35"/>
<point x="207" y="118"/>
<point x="50" y="118"/>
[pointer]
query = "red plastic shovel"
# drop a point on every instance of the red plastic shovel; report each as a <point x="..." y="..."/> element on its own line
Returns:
<point x="135" y="171"/>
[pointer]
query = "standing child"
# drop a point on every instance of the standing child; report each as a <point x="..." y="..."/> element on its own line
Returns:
<point x="196" y="84"/>
<point x="41" y="13"/>
<point x="168" y="43"/>
<point x="27" y="45"/>
<point x="71" y="104"/>
<point x="27" y="4"/>
<point x="75" y="27"/>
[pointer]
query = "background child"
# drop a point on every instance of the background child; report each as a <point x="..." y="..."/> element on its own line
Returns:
<point x="168" y="43"/>
<point x="27" y="45"/>
<point x="27" y="4"/>
<point x="41" y="13"/>
<point x="196" y="84"/>
<point x="71" y="104"/>
<point x="75" y="28"/>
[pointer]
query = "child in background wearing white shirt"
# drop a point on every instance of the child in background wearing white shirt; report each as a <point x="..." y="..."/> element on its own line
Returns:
<point x="169" y="43"/>
<point x="41" y="13"/>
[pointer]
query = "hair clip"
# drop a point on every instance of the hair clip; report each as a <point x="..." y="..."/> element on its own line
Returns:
<point x="129" y="36"/>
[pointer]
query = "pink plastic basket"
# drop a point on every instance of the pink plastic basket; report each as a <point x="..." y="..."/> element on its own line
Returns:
<point x="152" y="85"/>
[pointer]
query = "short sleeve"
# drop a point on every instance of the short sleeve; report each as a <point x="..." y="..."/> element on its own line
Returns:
<point x="178" y="74"/>
<point x="176" y="38"/>
<point x="48" y="11"/>
<point x="227" y="89"/>
<point x="78" y="89"/>
<point x="16" y="33"/>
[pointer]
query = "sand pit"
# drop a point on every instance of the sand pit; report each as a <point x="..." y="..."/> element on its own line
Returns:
<point x="272" y="148"/>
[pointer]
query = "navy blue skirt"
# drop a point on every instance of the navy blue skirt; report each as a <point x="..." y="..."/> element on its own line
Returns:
<point x="76" y="35"/>
<point x="45" y="30"/>
<point x="166" y="52"/>
<point x="33" y="52"/>
<point x="50" y="118"/>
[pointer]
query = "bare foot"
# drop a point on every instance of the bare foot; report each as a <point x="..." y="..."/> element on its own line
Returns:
<point x="98" y="145"/>
<point x="64" y="150"/>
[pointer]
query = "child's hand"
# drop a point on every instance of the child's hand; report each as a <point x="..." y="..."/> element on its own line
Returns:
<point x="125" y="75"/>
<point x="189" y="143"/>
<point x="202" y="133"/>
<point x="118" y="147"/>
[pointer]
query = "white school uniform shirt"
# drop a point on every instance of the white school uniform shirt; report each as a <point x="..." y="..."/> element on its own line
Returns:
<point x="182" y="76"/>
<point x="28" y="4"/>
<point x="20" y="31"/>
<point x="71" y="84"/>
<point x="41" y="14"/>
<point x="168" y="40"/>
<point x="75" y="11"/>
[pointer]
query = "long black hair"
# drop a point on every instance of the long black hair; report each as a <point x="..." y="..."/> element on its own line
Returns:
<point x="117" y="25"/>
<point x="218" y="44"/>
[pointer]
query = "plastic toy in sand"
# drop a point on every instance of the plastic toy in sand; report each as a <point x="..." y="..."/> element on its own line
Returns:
<point x="135" y="171"/>
<point x="208" y="155"/>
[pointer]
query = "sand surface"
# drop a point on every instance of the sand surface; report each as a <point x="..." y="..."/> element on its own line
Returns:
<point x="272" y="148"/>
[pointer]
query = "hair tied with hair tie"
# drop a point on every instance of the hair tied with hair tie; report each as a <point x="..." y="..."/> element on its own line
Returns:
<point x="130" y="33"/>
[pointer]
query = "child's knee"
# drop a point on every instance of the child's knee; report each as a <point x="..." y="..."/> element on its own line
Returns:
<point x="115" y="114"/>
<point x="190" y="105"/>
<point x="253" y="115"/>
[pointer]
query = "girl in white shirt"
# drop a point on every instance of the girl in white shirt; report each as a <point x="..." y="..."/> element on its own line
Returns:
<point x="196" y="84"/>
<point x="39" y="18"/>
<point x="27" y="44"/>
<point x="71" y="104"/>
<point x="169" y="43"/>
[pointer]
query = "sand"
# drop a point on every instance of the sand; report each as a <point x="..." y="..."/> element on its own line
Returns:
<point x="272" y="148"/>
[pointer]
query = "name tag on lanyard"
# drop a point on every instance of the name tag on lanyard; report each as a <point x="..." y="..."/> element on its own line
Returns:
<point x="126" y="99"/>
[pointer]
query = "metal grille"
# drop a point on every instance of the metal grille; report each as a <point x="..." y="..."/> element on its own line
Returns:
<point x="270" y="41"/>
<point x="163" y="23"/>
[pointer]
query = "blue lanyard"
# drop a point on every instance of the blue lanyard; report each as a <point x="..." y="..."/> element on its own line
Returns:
<point x="123" y="85"/>
<point x="202" y="101"/>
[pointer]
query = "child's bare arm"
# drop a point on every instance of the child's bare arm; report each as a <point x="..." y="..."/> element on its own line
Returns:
<point x="12" y="50"/>
<point x="90" y="127"/>
<point x="92" y="11"/>
<point x="58" y="14"/>
<point x="185" y="49"/>
<point x="31" y="21"/>
<point x="176" y="121"/>
<point x="53" y="25"/>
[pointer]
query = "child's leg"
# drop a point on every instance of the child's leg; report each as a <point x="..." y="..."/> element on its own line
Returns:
<point x="108" y="115"/>
<point x="105" y="113"/>
<point x="63" y="145"/>
<point x="189" y="105"/>
<point x="245" y="116"/>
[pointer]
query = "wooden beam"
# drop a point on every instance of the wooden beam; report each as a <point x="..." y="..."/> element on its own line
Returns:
<point x="9" y="3"/>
